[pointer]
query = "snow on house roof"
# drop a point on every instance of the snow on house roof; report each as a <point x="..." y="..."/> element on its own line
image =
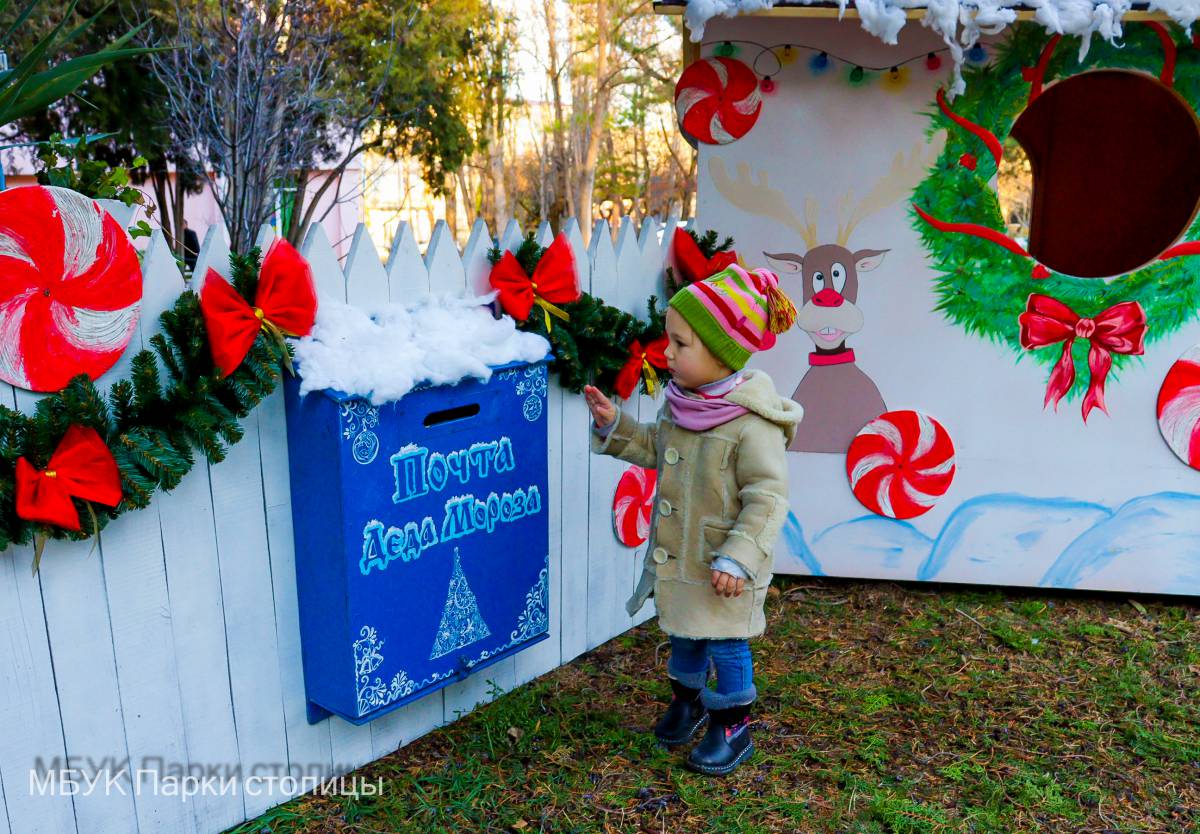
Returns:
<point x="959" y="22"/>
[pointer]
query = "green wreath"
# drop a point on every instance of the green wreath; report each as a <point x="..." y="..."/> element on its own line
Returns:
<point x="172" y="406"/>
<point x="983" y="287"/>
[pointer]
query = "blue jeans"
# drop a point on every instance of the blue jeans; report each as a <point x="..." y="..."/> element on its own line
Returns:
<point x="689" y="664"/>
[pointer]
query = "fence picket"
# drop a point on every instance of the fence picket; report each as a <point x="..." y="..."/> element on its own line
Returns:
<point x="213" y="254"/>
<point x="29" y="711"/>
<point x="631" y="296"/>
<point x="407" y="276"/>
<point x="136" y="583"/>
<point x="366" y="279"/>
<point x="576" y="460"/>
<point x="327" y="271"/>
<point x="85" y="673"/>
<point x="446" y="273"/>
<point x="475" y="259"/>
<point x="607" y="568"/>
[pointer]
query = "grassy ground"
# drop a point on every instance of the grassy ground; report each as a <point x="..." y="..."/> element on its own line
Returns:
<point x="883" y="709"/>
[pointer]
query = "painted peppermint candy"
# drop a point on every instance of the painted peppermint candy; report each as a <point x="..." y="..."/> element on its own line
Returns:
<point x="717" y="100"/>
<point x="1179" y="408"/>
<point x="900" y="464"/>
<point x="632" y="505"/>
<point x="70" y="287"/>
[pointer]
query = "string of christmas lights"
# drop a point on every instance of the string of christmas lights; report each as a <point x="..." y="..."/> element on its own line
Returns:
<point x="893" y="76"/>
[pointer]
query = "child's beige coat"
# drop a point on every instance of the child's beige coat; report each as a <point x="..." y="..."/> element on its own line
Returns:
<point x="719" y="491"/>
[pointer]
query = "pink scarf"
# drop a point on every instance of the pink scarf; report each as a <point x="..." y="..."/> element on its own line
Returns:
<point x="706" y="407"/>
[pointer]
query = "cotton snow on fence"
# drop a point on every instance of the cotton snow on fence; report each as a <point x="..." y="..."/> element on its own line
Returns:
<point x="175" y="645"/>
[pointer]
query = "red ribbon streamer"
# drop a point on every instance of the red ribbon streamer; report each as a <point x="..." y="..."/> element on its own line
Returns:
<point x="691" y="261"/>
<point x="553" y="282"/>
<point x="1190" y="247"/>
<point x="986" y="136"/>
<point x="81" y="466"/>
<point x="973" y="229"/>
<point x="285" y="300"/>
<point x="1119" y="329"/>
<point x="641" y="360"/>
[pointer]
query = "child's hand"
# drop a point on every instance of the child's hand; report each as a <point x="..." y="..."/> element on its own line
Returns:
<point x="603" y="411"/>
<point x="726" y="584"/>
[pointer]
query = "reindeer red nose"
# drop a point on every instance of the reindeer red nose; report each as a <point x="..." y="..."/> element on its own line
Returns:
<point x="828" y="298"/>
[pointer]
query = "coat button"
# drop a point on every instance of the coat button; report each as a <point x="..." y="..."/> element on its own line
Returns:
<point x="659" y="556"/>
<point x="671" y="455"/>
<point x="664" y="507"/>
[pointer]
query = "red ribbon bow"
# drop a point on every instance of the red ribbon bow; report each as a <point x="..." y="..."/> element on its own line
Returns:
<point x="81" y="466"/>
<point x="553" y="283"/>
<point x="1119" y="329"/>
<point x="642" y="360"/>
<point x="285" y="304"/>
<point x="691" y="261"/>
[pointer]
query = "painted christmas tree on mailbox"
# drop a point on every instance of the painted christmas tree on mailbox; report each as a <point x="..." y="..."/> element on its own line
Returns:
<point x="461" y="623"/>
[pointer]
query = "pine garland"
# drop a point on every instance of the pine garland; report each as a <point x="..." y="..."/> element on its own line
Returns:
<point x="983" y="288"/>
<point x="593" y="346"/>
<point x="171" y="407"/>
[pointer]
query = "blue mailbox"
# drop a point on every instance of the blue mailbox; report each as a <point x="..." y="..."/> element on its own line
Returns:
<point x="422" y="540"/>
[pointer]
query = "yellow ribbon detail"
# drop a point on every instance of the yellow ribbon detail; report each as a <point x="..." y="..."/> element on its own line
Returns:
<point x="50" y="473"/>
<point x="648" y="372"/>
<point x="549" y="310"/>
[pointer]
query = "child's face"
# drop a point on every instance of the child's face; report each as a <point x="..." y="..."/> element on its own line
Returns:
<point x="691" y="363"/>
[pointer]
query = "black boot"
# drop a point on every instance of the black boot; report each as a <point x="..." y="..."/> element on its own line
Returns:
<point x="726" y="744"/>
<point x="684" y="716"/>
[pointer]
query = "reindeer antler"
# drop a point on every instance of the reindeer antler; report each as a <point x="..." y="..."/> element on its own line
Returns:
<point x="903" y="176"/>
<point x="759" y="198"/>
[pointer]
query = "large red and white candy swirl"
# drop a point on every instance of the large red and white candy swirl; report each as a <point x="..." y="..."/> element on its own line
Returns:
<point x="1179" y="408"/>
<point x="900" y="464"/>
<point x="70" y="287"/>
<point x="633" y="504"/>
<point x="717" y="100"/>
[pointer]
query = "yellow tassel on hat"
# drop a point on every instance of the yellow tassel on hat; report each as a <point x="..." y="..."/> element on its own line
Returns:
<point x="783" y="311"/>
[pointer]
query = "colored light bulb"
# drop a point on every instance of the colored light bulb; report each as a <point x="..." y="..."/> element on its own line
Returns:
<point x="767" y="86"/>
<point x="933" y="61"/>
<point x="858" y="75"/>
<point x="726" y="50"/>
<point x="819" y="63"/>
<point x="977" y="54"/>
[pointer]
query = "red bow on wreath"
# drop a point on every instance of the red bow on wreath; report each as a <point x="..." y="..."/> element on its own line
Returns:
<point x="285" y="304"/>
<point x="81" y="467"/>
<point x="691" y="261"/>
<point x="553" y="283"/>
<point x="1119" y="329"/>
<point x="641" y="361"/>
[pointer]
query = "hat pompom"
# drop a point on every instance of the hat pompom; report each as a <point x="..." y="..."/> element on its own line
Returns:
<point x="782" y="310"/>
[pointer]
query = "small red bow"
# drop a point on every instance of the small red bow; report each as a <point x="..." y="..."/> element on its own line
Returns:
<point x="641" y="361"/>
<point x="691" y="261"/>
<point x="285" y="304"/>
<point x="1119" y="329"/>
<point x="81" y="466"/>
<point x="553" y="283"/>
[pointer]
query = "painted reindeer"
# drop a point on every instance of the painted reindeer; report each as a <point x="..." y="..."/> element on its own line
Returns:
<point x="837" y="396"/>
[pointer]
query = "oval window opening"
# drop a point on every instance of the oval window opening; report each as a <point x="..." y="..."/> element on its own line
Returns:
<point x="1115" y="162"/>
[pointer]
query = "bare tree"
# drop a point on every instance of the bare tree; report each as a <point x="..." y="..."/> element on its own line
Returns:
<point x="248" y="86"/>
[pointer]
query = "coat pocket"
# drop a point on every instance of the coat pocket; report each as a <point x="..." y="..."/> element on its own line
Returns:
<point x="713" y="535"/>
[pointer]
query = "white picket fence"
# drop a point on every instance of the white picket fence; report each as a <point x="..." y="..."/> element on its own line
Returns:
<point x="174" y="645"/>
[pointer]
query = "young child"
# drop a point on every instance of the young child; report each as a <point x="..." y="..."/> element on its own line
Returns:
<point x="719" y="447"/>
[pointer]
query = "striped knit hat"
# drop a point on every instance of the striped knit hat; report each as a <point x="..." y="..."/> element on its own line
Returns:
<point x="736" y="312"/>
